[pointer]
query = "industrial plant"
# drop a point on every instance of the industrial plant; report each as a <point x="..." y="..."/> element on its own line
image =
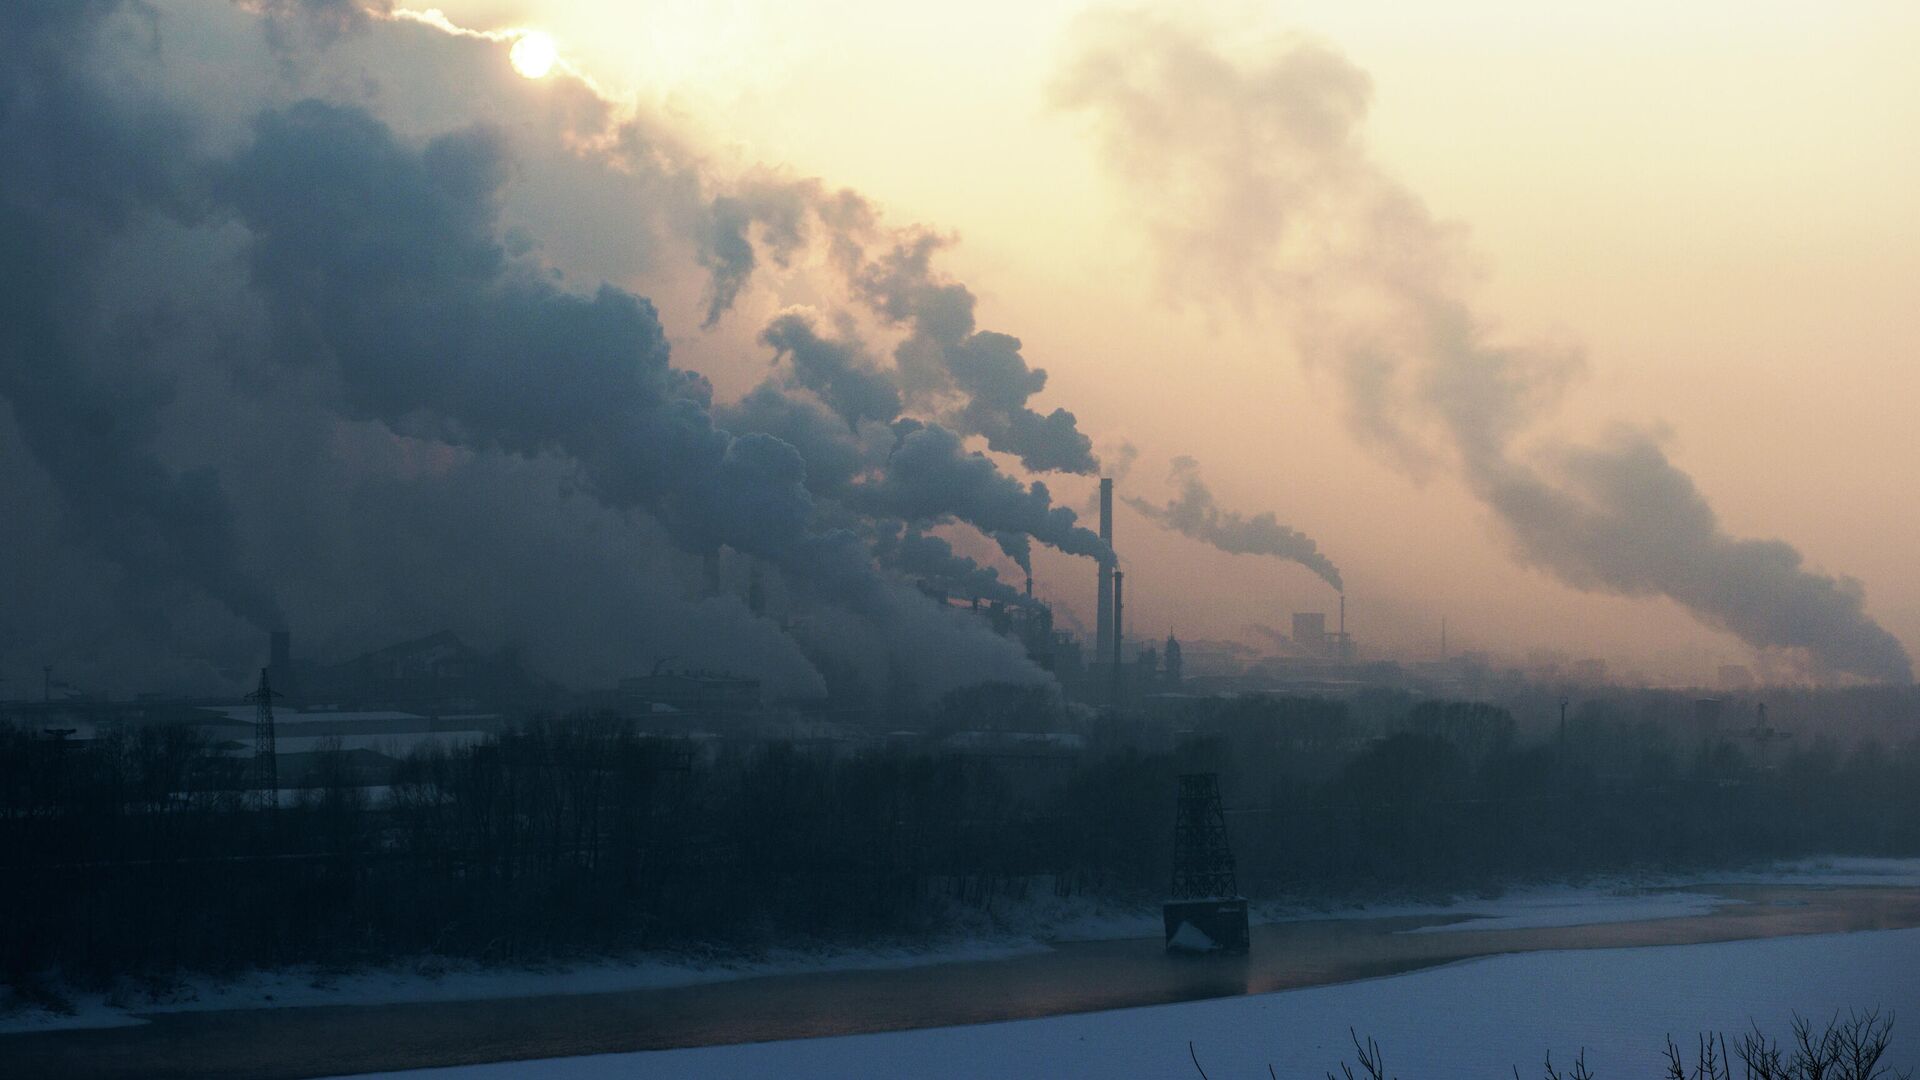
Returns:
<point x="565" y="528"/>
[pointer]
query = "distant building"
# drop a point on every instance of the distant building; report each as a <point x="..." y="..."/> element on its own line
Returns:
<point x="1310" y="632"/>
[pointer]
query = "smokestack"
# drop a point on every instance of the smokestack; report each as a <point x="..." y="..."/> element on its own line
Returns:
<point x="1117" y="576"/>
<point x="1029" y="586"/>
<point x="1346" y="653"/>
<point x="1103" y="617"/>
<point x="280" y="651"/>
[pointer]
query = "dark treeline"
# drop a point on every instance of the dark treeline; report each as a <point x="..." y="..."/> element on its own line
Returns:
<point x="141" y="850"/>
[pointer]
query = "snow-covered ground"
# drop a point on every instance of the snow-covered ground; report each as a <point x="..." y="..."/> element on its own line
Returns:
<point x="1474" y="1019"/>
<point x="1005" y="928"/>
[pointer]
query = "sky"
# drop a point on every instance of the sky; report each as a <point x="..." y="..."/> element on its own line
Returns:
<point x="1677" y="241"/>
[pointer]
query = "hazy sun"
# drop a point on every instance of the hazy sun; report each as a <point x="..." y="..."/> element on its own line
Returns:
<point x="533" y="54"/>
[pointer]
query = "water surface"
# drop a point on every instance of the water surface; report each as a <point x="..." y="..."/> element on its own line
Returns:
<point x="1073" y="977"/>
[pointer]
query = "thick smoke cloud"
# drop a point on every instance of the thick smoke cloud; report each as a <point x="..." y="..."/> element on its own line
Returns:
<point x="1194" y="513"/>
<point x="400" y="388"/>
<point x="1253" y="181"/>
<point x="912" y="471"/>
<point x="382" y="263"/>
<point x="931" y="475"/>
<point x="835" y="370"/>
<point x="944" y="354"/>
<point x="84" y="166"/>
<point x="933" y="560"/>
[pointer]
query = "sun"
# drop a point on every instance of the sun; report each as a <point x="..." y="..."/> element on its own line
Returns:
<point x="534" y="54"/>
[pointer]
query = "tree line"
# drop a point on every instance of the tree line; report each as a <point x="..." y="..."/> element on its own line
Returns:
<point x="142" y="850"/>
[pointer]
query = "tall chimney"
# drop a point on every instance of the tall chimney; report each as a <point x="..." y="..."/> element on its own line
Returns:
<point x="1103" y="617"/>
<point x="1345" y="652"/>
<point x="1117" y="576"/>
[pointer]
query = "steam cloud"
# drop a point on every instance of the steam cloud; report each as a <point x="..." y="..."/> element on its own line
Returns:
<point x="1253" y="182"/>
<point x="1193" y="513"/>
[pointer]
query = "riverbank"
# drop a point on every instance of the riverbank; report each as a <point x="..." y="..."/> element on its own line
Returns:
<point x="997" y="930"/>
<point x="1061" y="979"/>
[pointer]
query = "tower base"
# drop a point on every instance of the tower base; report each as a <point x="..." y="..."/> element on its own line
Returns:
<point x="1206" y="926"/>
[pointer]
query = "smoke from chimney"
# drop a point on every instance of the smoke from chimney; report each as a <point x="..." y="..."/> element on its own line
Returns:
<point x="1253" y="177"/>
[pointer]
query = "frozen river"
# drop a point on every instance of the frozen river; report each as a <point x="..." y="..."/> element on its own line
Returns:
<point x="1069" y="979"/>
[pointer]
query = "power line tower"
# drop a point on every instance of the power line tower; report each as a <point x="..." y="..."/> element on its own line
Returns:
<point x="266" y="766"/>
<point x="1202" y="863"/>
<point x="1205" y="911"/>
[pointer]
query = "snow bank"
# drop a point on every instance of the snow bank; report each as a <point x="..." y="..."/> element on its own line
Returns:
<point x="1474" y="1019"/>
<point x="441" y="980"/>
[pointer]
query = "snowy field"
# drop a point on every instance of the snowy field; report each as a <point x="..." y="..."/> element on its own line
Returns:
<point x="1474" y="1019"/>
<point x="1006" y="929"/>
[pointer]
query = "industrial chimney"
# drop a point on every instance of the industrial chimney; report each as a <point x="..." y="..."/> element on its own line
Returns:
<point x="1103" y="617"/>
<point x="1117" y="635"/>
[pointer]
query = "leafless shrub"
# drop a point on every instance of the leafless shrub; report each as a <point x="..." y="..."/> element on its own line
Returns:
<point x="1846" y="1049"/>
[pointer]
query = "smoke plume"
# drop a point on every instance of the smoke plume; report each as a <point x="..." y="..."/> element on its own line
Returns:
<point x="1194" y="513"/>
<point x="1254" y="183"/>
<point x="945" y="355"/>
<point x="933" y="560"/>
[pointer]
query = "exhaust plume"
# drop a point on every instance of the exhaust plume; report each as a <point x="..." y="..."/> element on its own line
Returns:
<point x="1194" y="513"/>
<point x="1254" y="183"/>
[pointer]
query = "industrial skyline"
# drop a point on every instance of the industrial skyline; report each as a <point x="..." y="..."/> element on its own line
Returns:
<point x="666" y="349"/>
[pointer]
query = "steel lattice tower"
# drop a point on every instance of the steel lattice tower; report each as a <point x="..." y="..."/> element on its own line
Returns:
<point x="266" y="766"/>
<point x="1202" y="862"/>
